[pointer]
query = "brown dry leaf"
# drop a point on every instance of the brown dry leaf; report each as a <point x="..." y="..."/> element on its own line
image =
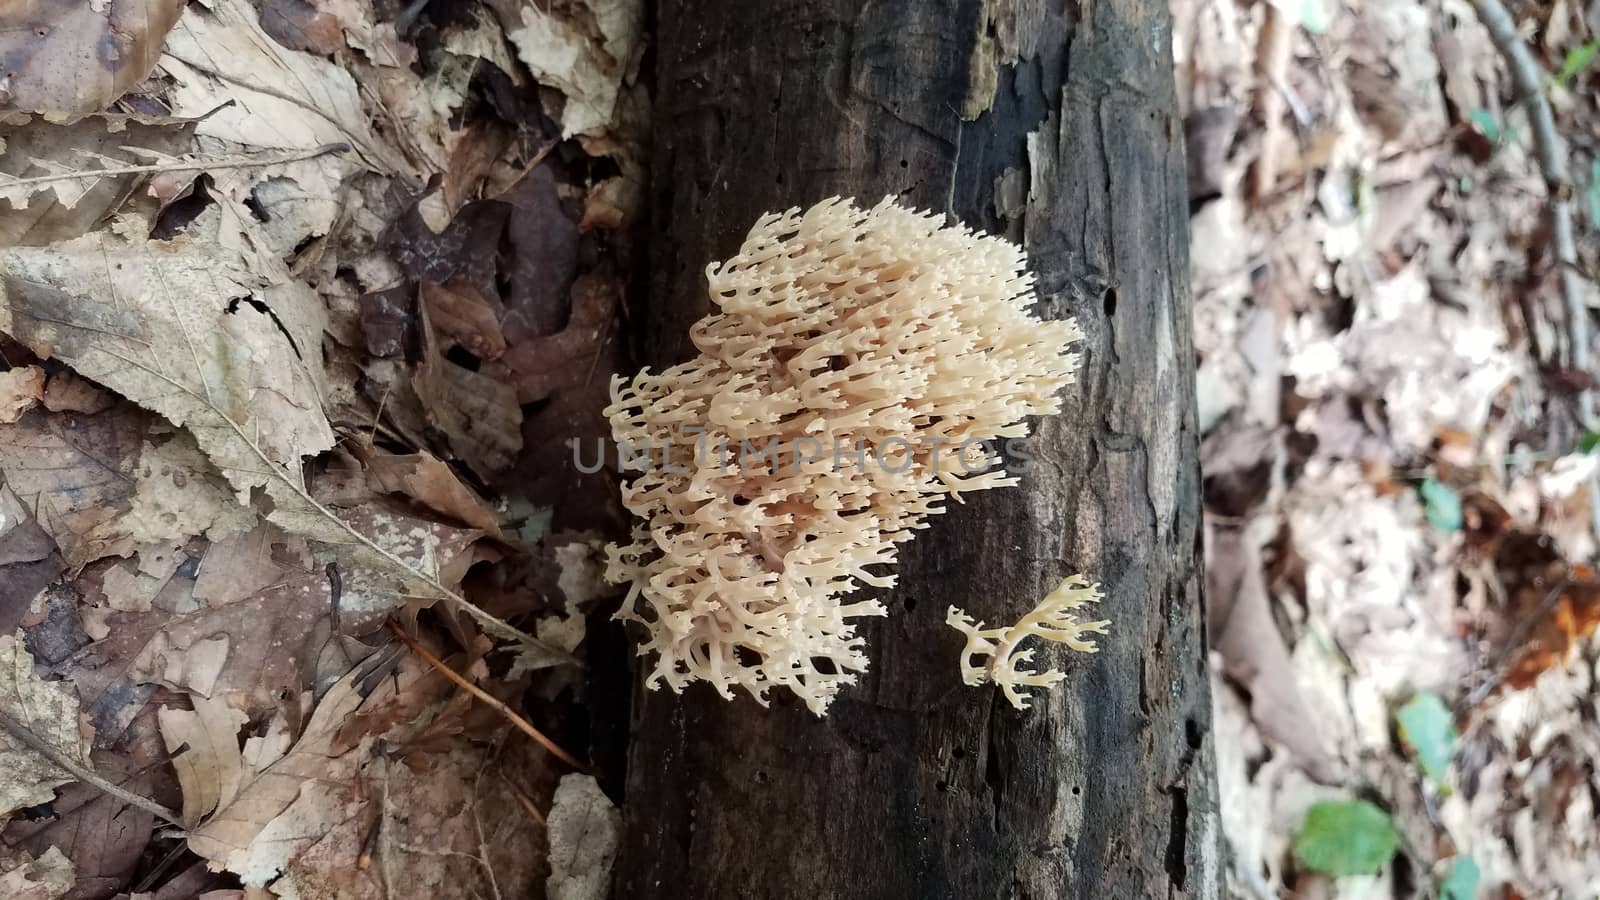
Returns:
<point x="191" y="329"/>
<point x="569" y="371"/>
<point x="50" y="711"/>
<point x="250" y="836"/>
<point x="103" y="485"/>
<point x="71" y="57"/>
<point x="586" y="50"/>
<point x="49" y="877"/>
<point x="211" y="769"/>
<point x="186" y="330"/>
<point x="478" y="415"/>
<point x="101" y="836"/>
<point x="428" y="480"/>
<point x="251" y="90"/>
<point x="247" y="651"/>
<point x="441" y="807"/>
<point x="73" y="474"/>
<point x="67" y="392"/>
<point x="300" y="26"/>
<point x="612" y="204"/>
<point x="225" y="344"/>
<point x="460" y="310"/>
<point x="585" y="832"/>
<point x="38" y="212"/>
<point x="21" y="389"/>
<point x="28" y="560"/>
<point x="1253" y="652"/>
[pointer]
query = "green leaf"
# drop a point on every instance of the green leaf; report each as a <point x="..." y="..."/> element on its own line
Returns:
<point x="1430" y="731"/>
<point x="1487" y="124"/>
<point x="1314" y="16"/>
<point x="1441" y="505"/>
<point x="1462" y="882"/>
<point x="1346" y="837"/>
<point x="1578" y="59"/>
<point x="1589" y="441"/>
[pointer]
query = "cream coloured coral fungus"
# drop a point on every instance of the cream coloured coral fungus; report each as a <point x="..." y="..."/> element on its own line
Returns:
<point x="1052" y="620"/>
<point x="855" y="363"/>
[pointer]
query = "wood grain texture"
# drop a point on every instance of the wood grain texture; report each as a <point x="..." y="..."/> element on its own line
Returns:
<point x="915" y="786"/>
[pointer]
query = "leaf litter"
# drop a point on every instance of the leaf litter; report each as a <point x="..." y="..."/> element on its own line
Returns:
<point x="218" y="481"/>
<point x="1400" y="504"/>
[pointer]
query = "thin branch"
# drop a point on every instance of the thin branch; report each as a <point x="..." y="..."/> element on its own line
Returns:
<point x="488" y="698"/>
<point x="527" y="802"/>
<point x="60" y="760"/>
<point x="193" y="165"/>
<point x="1551" y="152"/>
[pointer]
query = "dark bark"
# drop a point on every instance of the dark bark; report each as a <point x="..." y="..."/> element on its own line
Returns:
<point x="915" y="786"/>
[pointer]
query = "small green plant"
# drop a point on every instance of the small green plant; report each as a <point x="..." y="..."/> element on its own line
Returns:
<point x="1462" y="882"/>
<point x="1441" y="505"/>
<point x="1346" y="837"/>
<point x="1578" y="59"/>
<point x="1430" y="731"/>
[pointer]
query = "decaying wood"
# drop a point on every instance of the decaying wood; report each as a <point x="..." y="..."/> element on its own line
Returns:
<point x="915" y="786"/>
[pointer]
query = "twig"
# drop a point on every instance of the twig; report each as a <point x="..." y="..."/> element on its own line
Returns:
<point x="488" y="698"/>
<point x="528" y="805"/>
<point x="1551" y="152"/>
<point x="1272" y="61"/>
<point x="193" y="165"/>
<point x="60" y="760"/>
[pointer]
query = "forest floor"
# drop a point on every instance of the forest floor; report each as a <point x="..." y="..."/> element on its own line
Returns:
<point x="1399" y="467"/>
<point x="1399" y="471"/>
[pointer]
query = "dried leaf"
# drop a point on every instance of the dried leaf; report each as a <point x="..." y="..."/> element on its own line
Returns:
<point x="50" y="711"/>
<point x="569" y="372"/>
<point x="1253" y="652"/>
<point x="431" y="482"/>
<point x="188" y="330"/>
<point x="585" y="832"/>
<point x="237" y="837"/>
<point x="75" y="200"/>
<point x="250" y="90"/>
<point x="247" y="651"/>
<point x="300" y="26"/>
<point x="70" y="57"/>
<point x="211" y="769"/>
<point x="74" y="474"/>
<point x="66" y="392"/>
<point x="440" y="806"/>
<point x="478" y="415"/>
<point x="101" y="836"/>
<point x="21" y="389"/>
<point x="49" y="877"/>
<point x="461" y="311"/>
<point x="585" y="50"/>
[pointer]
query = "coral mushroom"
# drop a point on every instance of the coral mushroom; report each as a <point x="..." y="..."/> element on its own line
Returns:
<point x="859" y="369"/>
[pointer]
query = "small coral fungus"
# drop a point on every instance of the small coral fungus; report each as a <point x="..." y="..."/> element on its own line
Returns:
<point x="859" y="368"/>
<point x="1052" y="620"/>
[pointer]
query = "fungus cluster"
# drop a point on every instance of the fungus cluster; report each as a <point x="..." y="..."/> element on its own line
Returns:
<point x="860" y="367"/>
